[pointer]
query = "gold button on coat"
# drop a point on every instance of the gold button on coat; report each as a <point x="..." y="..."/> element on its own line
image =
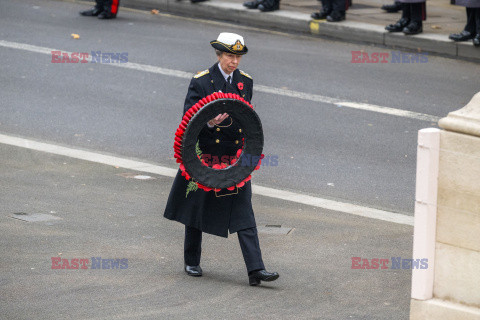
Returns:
<point x="236" y="141"/>
<point x="218" y="129"/>
<point x="217" y="141"/>
<point x="240" y="130"/>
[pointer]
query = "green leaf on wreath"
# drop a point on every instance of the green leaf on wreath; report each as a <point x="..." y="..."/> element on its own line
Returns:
<point x="197" y="149"/>
<point x="192" y="186"/>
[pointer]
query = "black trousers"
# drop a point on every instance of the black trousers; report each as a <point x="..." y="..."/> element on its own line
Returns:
<point x="249" y="244"/>
<point x="414" y="11"/>
<point x="334" y="5"/>
<point x="110" y="6"/>
<point x="473" y="20"/>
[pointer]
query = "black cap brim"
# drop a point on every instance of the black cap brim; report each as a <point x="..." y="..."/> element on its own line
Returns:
<point x="226" y="48"/>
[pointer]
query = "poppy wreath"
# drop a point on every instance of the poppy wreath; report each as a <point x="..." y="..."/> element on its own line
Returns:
<point x="248" y="157"/>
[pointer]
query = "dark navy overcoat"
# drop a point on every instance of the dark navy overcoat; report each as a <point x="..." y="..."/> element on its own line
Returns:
<point x="214" y="213"/>
<point x="467" y="3"/>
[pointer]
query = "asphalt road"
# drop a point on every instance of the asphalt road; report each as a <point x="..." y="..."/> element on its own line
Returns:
<point x="355" y="156"/>
<point x="103" y="212"/>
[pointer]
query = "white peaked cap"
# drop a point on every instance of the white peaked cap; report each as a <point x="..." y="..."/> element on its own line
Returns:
<point x="230" y="42"/>
<point x="230" y="38"/>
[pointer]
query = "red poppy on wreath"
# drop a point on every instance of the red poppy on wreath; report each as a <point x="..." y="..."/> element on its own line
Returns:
<point x="179" y="137"/>
<point x="240" y="85"/>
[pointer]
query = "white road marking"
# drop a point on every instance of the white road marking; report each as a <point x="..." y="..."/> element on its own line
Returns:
<point x="348" y="104"/>
<point x="168" y="172"/>
<point x="259" y="88"/>
<point x="333" y="205"/>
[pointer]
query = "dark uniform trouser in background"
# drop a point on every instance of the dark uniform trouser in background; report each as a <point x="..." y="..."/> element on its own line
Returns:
<point x="334" y="5"/>
<point x="473" y="20"/>
<point x="414" y="11"/>
<point x="249" y="244"/>
<point x="110" y="6"/>
<point x="271" y="3"/>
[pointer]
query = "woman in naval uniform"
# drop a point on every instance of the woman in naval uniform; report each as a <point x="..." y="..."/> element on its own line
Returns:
<point x="222" y="212"/>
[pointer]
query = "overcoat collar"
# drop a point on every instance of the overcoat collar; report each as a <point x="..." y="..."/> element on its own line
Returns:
<point x="219" y="81"/>
<point x="236" y="79"/>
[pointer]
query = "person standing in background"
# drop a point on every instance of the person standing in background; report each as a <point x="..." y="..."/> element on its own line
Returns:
<point x="472" y="28"/>
<point x="392" y="8"/>
<point x="263" y="5"/>
<point x="103" y="9"/>
<point x="413" y="13"/>
<point x="332" y="10"/>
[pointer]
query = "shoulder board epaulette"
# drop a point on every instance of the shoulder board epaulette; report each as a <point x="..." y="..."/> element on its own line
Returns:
<point x="201" y="74"/>
<point x="245" y="74"/>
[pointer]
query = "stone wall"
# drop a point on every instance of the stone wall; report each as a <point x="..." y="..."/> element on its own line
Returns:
<point x="456" y="285"/>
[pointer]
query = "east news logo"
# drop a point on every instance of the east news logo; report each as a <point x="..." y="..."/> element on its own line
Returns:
<point x="386" y="57"/>
<point x="94" y="57"/>
<point x="85" y="263"/>
<point x="397" y="263"/>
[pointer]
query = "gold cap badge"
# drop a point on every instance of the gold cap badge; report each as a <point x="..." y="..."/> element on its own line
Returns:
<point x="238" y="46"/>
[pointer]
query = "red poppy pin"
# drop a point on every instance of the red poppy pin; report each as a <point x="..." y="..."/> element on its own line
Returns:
<point x="240" y="85"/>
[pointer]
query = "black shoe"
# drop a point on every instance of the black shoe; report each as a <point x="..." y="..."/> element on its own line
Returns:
<point x="91" y="12"/>
<point x="392" y="8"/>
<point x="413" y="27"/>
<point x="462" y="36"/>
<point x="264" y="7"/>
<point x="397" y="26"/>
<point x="261" y="275"/>
<point x="335" y="16"/>
<point x="194" y="271"/>
<point x="252" y="4"/>
<point x="106" y="15"/>
<point x="476" y="40"/>
<point x="320" y="15"/>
